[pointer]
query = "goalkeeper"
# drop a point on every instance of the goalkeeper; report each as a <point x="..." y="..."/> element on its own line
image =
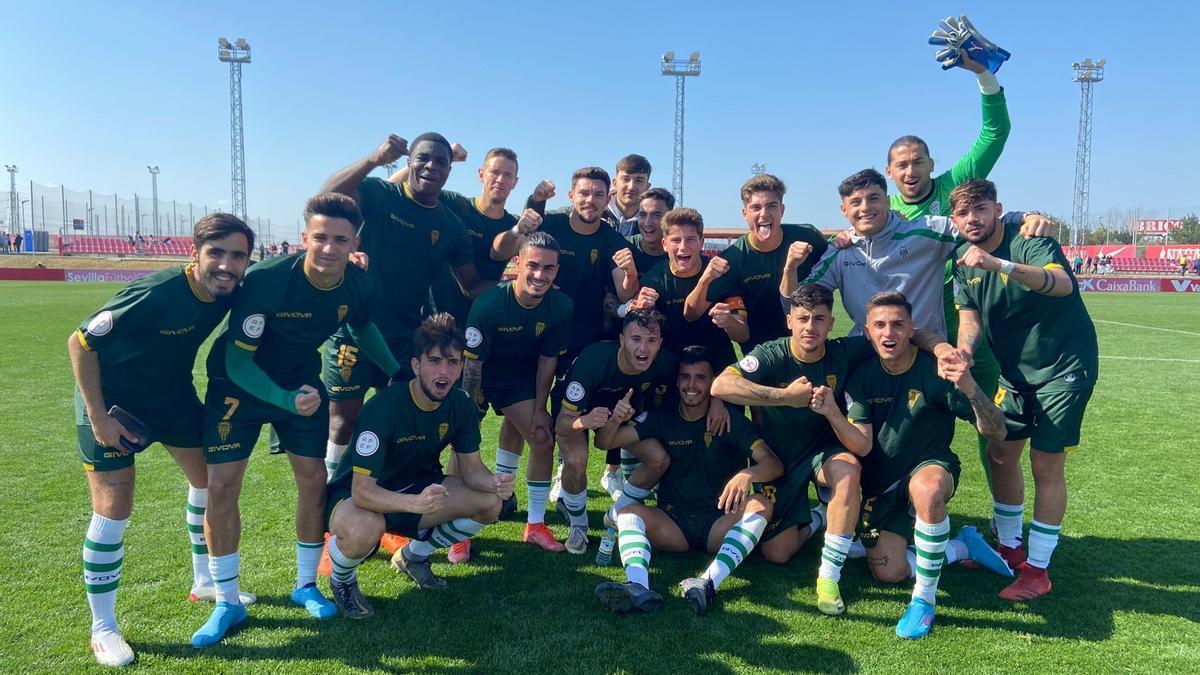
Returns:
<point x="920" y="193"/>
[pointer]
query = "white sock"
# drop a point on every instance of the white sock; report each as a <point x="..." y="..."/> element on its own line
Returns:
<point x="308" y="556"/>
<point x="345" y="569"/>
<point x="930" y="543"/>
<point x="333" y="457"/>
<point x="507" y="462"/>
<point x="576" y="507"/>
<point x="635" y="548"/>
<point x="224" y="570"/>
<point x="1042" y="540"/>
<point x="833" y="556"/>
<point x="197" y="503"/>
<point x="817" y="518"/>
<point x="955" y="551"/>
<point x="459" y="529"/>
<point x="538" y="491"/>
<point x="1009" y="519"/>
<point x="103" y="560"/>
<point x="739" y="541"/>
<point x="419" y="549"/>
<point x="857" y="550"/>
<point x="629" y="464"/>
<point x="631" y="494"/>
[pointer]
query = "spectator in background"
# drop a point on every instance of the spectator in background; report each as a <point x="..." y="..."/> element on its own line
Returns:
<point x="1078" y="262"/>
<point x="16" y="245"/>
<point x="283" y="248"/>
<point x="262" y="252"/>
<point x="1089" y="265"/>
<point x="1196" y="266"/>
<point x="3" y="242"/>
<point x="1183" y="264"/>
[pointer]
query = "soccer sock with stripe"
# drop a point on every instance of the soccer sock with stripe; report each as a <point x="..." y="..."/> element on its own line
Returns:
<point x="833" y="556"/>
<point x="739" y="541"/>
<point x="459" y="529"/>
<point x="635" y="548"/>
<point x="1009" y="519"/>
<point x="538" y="491"/>
<point x="103" y="558"/>
<point x="956" y="551"/>
<point x="345" y="569"/>
<point x="224" y="570"/>
<point x="629" y="464"/>
<point x="1042" y="540"/>
<point x="197" y="502"/>
<point x="507" y="462"/>
<point x="308" y="556"/>
<point x="630" y="494"/>
<point x="333" y="457"/>
<point x="930" y="540"/>
<point x="576" y="506"/>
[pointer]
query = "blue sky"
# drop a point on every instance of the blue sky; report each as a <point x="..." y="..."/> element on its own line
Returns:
<point x="96" y="91"/>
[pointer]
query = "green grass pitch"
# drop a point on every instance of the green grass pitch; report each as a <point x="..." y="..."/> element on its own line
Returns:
<point x="1126" y="596"/>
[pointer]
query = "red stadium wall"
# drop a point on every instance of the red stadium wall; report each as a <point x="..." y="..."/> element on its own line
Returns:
<point x="1138" y="285"/>
<point x="1115" y="250"/>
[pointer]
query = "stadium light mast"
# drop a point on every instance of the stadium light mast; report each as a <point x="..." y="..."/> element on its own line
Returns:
<point x="1086" y="74"/>
<point x="679" y="69"/>
<point x="14" y="214"/>
<point x="154" y="193"/>
<point x="758" y="169"/>
<point x="235" y="55"/>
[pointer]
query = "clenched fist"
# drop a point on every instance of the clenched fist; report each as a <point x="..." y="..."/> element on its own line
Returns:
<point x="391" y="149"/>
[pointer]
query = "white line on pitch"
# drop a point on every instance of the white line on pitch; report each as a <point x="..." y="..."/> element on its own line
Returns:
<point x="1148" y="358"/>
<point x="1135" y="325"/>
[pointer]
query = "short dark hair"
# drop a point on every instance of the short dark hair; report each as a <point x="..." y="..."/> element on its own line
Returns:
<point x="907" y="140"/>
<point x="682" y="217"/>
<point x="972" y="192"/>
<point x="542" y="240"/>
<point x="809" y="296"/>
<point x="433" y="137"/>
<point x="439" y="332"/>
<point x="218" y="226"/>
<point x="333" y="205"/>
<point x="861" y="180"/>
<point x="762" y="183"/>
<point x="593" y="173"/>
<point x="661" y="195"/>
<point x="634" y="164"/>
<point x="695" y="354"/>
<point x="646" y="318"/>
<point x="506" y="153"/>
<point x="889" y="299"/>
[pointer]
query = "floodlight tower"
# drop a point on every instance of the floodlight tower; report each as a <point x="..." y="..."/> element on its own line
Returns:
<point x="679" y="69"/>
<point x="758" y="169"/>
<point x="1086" y="74"/>
<point x="235" y="55"/>
<point x="14" y="214"/>
<point x="154" y="193"/>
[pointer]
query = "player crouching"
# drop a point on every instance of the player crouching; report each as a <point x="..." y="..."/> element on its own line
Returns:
<point x="705" y="500"/>
<point x="393" y="480"/>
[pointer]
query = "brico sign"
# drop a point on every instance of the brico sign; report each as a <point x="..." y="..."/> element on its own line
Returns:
<point x="1158" y="227"/>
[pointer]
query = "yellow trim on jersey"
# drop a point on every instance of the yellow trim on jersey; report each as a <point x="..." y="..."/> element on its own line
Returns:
<point x="412" y="392"/>
<point x="906" y="368"/>
<point x="360" y="469"/>
<point x="470" y="355"/>
<point x="570" y="406"/>
<point x="998" y="398"/>
<point x="187" y="273"/>
<point x="319" y="287"/>
<point x="79" y="335"/>
<point x="851" y="420"/>
<point x="89" y="467"/>
<point x="243" y="345"/>
<point x="792" y="349"/>
<point x="1052" y="266"/>
<point x="757" y="443"/>
<point x="408" y="193"/>
<point x="733" y="371"/>
<point x="1072" y="448"/>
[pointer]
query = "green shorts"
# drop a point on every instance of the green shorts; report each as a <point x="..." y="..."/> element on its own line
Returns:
<point x="695" y="526"/>
<point x="1050" y="419"/>
<point x="233" y="420"/>
<point x="348" y="374"/>
<point x="503" y="395"/>
<point x="892" y="511"/>
<point x="789" y="493"/>
<point x="396" y="522"/>
<point x="176" y="424"/>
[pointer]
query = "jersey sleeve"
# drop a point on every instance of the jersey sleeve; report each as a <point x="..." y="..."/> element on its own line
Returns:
<point x="826" y="272"/>
<point x="360" y="312"/>
<point x="728" y="284"/>
<point x="647" y="424"/>
<point x="857" y="410"/>
<point x="858" y="349"/>
<point x="466" y="439"/>
<point x="947" y="234"/>
<point x="372" y="437"/>
<point x="481" y="324"/>
<point x="742" y="434"/>
<point x="373" y="193"/>
<point x="1041" y="252"/>
<point x="248" y="316"/>
<point x="964" y="293"/>
<point x="558" y="334"/>
<point x="758" y="366"/>
<point x="955" y="402"/>
<point x="458" y="251"/>
<point x="123" y="315"/>
<point x="580" y="383"/>
<point x="985" y="151"/>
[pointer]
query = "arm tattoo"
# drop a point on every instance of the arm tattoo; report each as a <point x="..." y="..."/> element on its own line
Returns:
<point x="472" y="378"/>
<point x="926" y="340"/>
<point x="988" y="418"/>
<point x="748" y="389"/>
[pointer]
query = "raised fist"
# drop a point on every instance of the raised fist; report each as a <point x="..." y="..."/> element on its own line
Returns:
<point x="544" y="191"/>
<point x="716" y="267"/>
<point x="624" y="260"/>
<point x="458" y="153"/>
<point x="646" y="299"/>
<point x="595" y="418"/>
<point x="391" y="149"/>
<point x="796" y="255"/>
<point x="530" y="221"/>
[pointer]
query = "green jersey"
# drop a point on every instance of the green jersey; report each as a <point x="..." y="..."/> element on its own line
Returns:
<point x="642" y="260"/>
<point x="701" y="464"/>
<point x="509" y="337"/>
<point x="911" y="415"/>
<point x="754" y="277"/>
<point x="482" y="230"/>
<point x="596" y="379"/>
<point x="283" y="318"/>
<point x="1040" y="341"/>
<point x="584" y="272"/>
<point x="407" y="244"/>
<point x="146" y="338"/>
<point x="796" y="433"/>
<point x="396" y="442"/>
<point x="679" y="332"/>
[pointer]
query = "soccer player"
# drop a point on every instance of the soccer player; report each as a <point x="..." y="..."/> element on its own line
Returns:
<point x="779" y="376"/>
<point x="705" y="500"/>
<point x="900" y="422"/>
<point x="409" y="235"/>
<point x="515" y="335"/>
<point x="647" y="242"/>
<point x="393" y="479"/>
<point x="752" y="266"/>
<point x="1019" y="295"/>
<point x="264" y="369"/>
<point x="630" y="182"/>
<point x="137" y="353"/>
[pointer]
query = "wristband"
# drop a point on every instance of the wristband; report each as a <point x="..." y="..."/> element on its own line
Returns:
<point x="516" y="230"/>
<point x="623" y="309"/>
<point x="1007" y="267"/>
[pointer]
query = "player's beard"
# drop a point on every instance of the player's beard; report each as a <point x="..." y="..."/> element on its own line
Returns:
<point x="211" y="286"/>
<point x="430" y="394"/>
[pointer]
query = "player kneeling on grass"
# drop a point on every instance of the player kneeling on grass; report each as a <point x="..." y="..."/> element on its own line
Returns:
<point x="900" y="422"/>
<point x="136" y="355"/>
<point x="704" y="498"/>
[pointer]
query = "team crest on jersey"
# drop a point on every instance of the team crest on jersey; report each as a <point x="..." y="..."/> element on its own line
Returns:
<point x="474" y="337"/>
<point x="100" y="324"/>
<point x="538" y="328"/>
<point x="641" y="417"/>
<point x="253" y="325"/>
<point x="749" y="363"/>
<point x="367" y="444"/>
<point x="913" y="397"/>
<point x="707" y="439"/>
<point x="831" y="381"/>
<point x="433" y="237"/>
<point x="223" y="429"/>
<point x="645" y="386"/>
<point x="443" y="429"/>
<point x="594" y="254"/>
<point x="342" y="311"/>
<point x="574" y="392"/>
<point x="935" y="208"/>
<point x="903" y="251"/>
